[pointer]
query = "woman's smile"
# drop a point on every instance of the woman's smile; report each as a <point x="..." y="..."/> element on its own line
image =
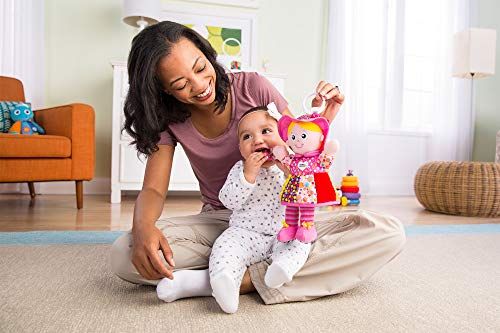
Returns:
<point x="205" y="94"/>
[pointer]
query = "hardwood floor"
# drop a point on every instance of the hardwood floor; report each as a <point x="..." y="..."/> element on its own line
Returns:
<point x="58" y="212"/>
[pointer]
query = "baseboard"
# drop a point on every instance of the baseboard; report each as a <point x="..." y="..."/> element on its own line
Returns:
<point x="98" y="185"/>
<point x="11" y="187"/>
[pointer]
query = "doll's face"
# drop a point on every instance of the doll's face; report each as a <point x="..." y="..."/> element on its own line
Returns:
<point x="21" y="112"/>
<point x="302" y="141"/>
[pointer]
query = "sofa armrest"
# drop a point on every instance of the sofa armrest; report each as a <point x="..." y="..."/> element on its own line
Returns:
<point x="76" y="122"/>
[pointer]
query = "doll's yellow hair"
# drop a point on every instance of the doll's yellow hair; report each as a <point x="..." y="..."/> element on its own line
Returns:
<point x="309" y="126"/>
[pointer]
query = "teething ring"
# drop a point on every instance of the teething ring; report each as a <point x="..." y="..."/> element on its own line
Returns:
<point x="314" y="109"/>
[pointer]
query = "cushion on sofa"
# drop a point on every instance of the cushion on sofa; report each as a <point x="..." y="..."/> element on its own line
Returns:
<point x="21" y="146"/>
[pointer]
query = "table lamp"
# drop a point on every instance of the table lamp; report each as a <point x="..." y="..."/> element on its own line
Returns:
<point x="141" y="13"/>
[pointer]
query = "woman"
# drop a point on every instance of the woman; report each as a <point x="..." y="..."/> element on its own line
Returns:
<point x="178" y="93"/>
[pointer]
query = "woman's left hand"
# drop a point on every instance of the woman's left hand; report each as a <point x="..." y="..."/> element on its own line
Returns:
<point x="334" y="99"/>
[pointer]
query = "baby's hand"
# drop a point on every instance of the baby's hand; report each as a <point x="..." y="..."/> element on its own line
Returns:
<point x="280" y="152"/>
<point x="252" y="165"/>
<point x="331" y="147"/>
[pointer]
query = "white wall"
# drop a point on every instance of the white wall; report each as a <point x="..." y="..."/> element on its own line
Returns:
<point x="82" y="37"/>
<point x="487" y="96"/>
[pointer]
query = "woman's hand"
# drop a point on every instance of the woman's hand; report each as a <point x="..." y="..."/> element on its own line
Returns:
<point x="334" y="99"/>
<point x="148" y="240"/>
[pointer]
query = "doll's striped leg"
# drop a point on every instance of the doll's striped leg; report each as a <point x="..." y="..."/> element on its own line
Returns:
<point x="306" y="232"/>
<point x="287" y="233"/>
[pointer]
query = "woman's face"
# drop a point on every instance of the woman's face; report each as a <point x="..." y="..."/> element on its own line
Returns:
<point x="187" y="74"/>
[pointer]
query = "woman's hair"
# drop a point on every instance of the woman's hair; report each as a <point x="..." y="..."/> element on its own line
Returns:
<point x="310" y="126"/>
<point x="148" y="108"/>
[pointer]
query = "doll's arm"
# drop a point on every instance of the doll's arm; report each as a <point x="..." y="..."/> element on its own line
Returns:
<point x="280" y="152"/>
<point x="331" y="147"/>
<point x="15" y="128"/>
<point x="326" y="157"/>
<point x="38" y="127"/>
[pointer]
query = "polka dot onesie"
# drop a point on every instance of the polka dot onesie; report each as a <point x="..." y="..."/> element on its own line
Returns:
<point x="255" y="221"/>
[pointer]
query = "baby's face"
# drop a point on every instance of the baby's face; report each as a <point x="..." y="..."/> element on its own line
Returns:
<point x="258" y="132"/>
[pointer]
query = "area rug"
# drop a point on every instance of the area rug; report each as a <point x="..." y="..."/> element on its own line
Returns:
<point x="446" y="280"/>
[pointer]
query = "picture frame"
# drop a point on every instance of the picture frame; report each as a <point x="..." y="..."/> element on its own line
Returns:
<point x="232" y="33"/>
<point x="234" y="3"/>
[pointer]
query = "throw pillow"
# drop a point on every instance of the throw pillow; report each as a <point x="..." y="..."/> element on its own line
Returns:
<point x="5" y="108"/>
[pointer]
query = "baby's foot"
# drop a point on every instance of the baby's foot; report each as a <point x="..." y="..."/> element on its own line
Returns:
<point x="225" y="292"/>
<point x="187" y="283"/>
<point x="276" y="276"/>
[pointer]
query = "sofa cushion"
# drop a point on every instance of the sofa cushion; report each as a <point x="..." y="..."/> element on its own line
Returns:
<point x="12" y="145"/>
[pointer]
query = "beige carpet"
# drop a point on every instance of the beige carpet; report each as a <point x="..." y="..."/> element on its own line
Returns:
<point x="445" y="283"/>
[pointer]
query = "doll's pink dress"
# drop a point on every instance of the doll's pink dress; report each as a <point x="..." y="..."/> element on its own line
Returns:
<point x="308" y="184"/>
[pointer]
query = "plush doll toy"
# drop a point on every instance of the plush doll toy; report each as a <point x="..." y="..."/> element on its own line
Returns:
<point x="23" y="121"/>
<point x="309" y="184"/>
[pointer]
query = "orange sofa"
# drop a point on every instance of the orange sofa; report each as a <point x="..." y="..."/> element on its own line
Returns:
<point x="65" y="153"/>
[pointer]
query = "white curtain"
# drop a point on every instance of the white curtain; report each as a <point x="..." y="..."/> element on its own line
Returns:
<point x="22" y="45"/>
<point x="392" y="59"/>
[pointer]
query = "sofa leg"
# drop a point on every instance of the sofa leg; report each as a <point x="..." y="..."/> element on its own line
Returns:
<point x="79" y="193"/>
<point x="31" y="186"/>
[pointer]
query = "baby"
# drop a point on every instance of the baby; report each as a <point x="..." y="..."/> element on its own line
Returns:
<point x="252" y="192"/>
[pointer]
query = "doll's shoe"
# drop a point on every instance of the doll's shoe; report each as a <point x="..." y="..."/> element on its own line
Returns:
<point x="287" y="233"/>
<point x="306" y="232"/>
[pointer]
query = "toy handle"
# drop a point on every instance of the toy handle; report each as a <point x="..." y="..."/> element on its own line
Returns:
<point x="314" y="109"/>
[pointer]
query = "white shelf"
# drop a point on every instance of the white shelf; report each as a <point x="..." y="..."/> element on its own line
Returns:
<point x="127" y="171"/>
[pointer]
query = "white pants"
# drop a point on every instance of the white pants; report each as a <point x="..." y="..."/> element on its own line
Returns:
<point x="237" y="248"/>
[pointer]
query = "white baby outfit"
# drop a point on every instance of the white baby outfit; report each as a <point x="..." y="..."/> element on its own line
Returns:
<point x="251" y="237"/>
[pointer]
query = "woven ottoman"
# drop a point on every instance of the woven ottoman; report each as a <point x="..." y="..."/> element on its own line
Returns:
<point x="459" y="188"/>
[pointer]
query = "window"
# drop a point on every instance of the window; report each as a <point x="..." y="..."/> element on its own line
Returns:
<point x="400" y="58"/>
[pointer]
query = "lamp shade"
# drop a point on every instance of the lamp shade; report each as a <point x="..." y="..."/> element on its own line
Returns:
<point x="135" y="12"/>
<point x="474" y="53"/>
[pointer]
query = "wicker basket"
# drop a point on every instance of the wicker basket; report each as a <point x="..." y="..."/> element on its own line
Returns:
<point x="459" y="188"/>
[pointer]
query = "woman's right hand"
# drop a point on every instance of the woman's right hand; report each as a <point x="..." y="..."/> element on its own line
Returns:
<point x="148" y="240"/>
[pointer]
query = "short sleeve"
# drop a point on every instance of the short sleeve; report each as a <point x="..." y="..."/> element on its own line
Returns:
<point x="264" y="91"/>
<point x="167" y="138"/>
<point x="325" y="160"/>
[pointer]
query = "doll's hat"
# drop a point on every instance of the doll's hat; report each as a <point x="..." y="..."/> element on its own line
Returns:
<point x="285" y="122"/>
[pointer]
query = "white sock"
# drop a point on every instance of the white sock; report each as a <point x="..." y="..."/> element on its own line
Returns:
<point x="186" y="283"/>
<point x="225" y="292"/>
<point x="276" y="275"/>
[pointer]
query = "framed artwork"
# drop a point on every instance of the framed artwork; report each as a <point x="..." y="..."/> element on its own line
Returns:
<point x="231" y="34"/>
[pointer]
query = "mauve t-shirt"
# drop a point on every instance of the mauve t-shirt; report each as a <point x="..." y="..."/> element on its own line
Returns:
<point x="211" y="159"/>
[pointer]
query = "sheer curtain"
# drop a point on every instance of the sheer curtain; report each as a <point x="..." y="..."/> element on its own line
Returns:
<point x="22" y="45"/>
<point x="392" y="59"/>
